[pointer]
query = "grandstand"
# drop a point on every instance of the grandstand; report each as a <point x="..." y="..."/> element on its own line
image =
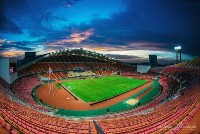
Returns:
<point x="41" y="100"/>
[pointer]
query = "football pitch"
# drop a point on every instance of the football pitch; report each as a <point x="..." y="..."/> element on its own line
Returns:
<point x="97" y="89"/>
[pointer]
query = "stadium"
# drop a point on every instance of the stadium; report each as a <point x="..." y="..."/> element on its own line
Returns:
<point x="81" y="91"/>
<point x="99" y="67"/>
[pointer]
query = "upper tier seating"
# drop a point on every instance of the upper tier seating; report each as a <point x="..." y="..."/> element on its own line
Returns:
<point x="43" y="67"/>
<point x="195" y="64"/>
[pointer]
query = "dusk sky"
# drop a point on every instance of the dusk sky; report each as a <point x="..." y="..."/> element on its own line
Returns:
<point x="128" y="30"/>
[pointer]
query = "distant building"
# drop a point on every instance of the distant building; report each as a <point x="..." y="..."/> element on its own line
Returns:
<point x="29" y="56"/>
<point x="153" y="60"/>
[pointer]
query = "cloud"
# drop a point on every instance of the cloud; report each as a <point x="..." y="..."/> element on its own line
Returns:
<point x="7" y="25"/>
<point x="2" y="41"/>
<point x="7" y="45"/>
<point x="74" y="37"/>
<point x="12" y="53"/>
<point x="168" y="23"/>
<point x="77" y="37"/>
<point x="143" y="55"/>
<point x="5" y="41"/>
<point x="123" y="57"/>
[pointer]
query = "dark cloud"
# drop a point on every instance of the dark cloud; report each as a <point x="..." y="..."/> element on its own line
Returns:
<point x="7" y="25"/>
<point x="120" y="57"/>
<point x="22" y="45"/>
<point x="168" y="22"/>
<point x="37" y="16"/>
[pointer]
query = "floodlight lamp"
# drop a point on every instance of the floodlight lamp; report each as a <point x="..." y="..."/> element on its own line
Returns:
<point x="177" y="48"/>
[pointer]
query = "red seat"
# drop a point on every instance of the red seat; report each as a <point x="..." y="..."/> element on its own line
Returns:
<point x="13" y="132"/>
<point x="171" y="132"/>
<point x="8" y="127"/>
<point x="41" y="133"/>
<point x="2" y="123"/>
<point x="35" y="131"/>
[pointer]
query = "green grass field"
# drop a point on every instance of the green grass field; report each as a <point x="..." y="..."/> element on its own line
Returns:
<point x="97" y="89"/>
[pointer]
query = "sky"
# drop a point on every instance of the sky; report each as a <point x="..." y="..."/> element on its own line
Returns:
<point x="128" y="30"/>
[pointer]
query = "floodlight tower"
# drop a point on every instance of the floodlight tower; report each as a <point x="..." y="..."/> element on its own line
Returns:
<point x="178" y="51"/>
